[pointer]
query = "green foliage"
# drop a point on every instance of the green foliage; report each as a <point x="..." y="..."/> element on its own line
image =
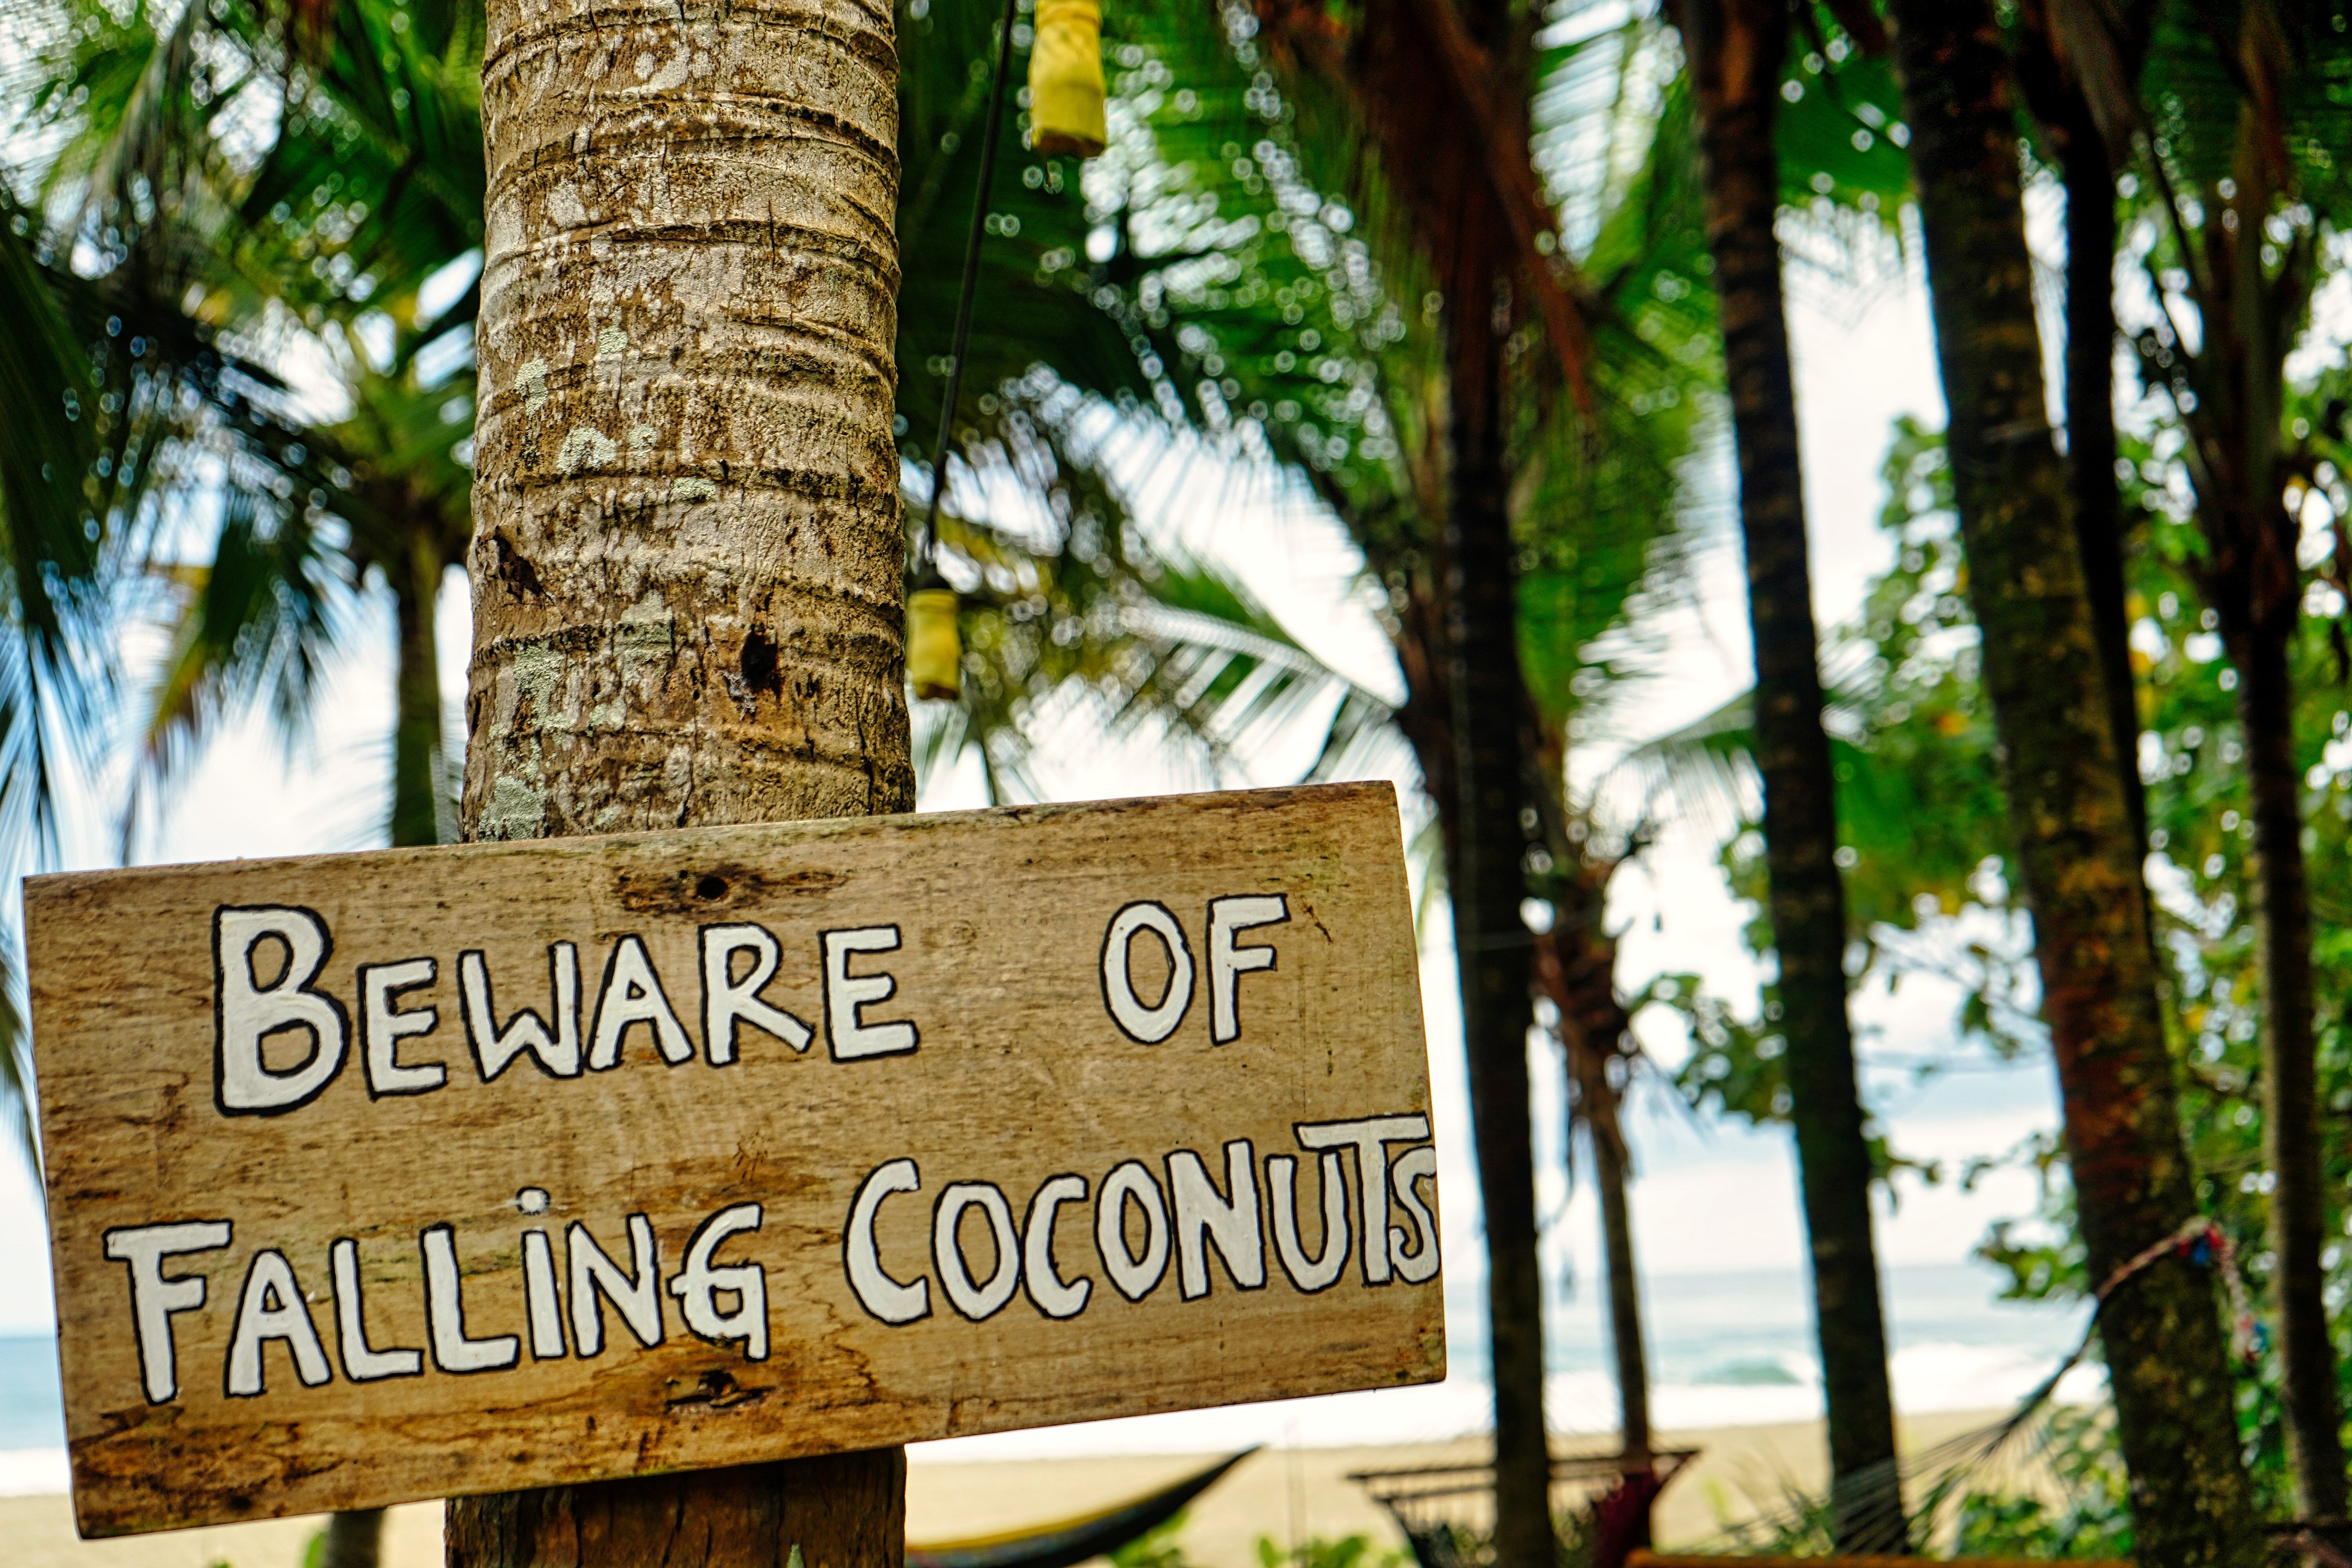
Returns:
<point x="2090" y="1517"/>
<point x="1920" y="812"/>
<point x="1841" y="138"/>
<point x="1155" y="1548"/>
<point x="1348" y="1552"/>
<point x="1793" y="1523"/>
<point x="1263" y="299"/>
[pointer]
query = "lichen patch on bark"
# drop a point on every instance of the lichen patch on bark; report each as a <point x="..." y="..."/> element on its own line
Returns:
<point x="686" y="468"/>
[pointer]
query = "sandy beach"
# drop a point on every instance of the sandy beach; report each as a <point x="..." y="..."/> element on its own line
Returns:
<point x="1283" y="1493"/>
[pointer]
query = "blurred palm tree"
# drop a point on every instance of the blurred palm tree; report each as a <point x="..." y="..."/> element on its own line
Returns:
<point x="56" y="485"/>
<point x="1280" y="302"/>
<point x="2232" y="112"/>
<point x="1739" y="58"/>
<point x="321" y="246"/>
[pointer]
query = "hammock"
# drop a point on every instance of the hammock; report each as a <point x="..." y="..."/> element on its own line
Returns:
<point x="1873" y="1518"/>
<point x="1067" y="1543"/>
<point x="1446" y="1510"/>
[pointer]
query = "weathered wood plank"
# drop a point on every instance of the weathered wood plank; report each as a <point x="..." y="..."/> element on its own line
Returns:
<point x="1004" y="1054"/>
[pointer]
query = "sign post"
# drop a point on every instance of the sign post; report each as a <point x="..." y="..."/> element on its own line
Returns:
<point x="440" y="1172"/>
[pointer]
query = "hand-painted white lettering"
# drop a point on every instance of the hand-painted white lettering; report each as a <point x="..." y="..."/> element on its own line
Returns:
<point x="1369" y="1138"/>
<point x="445" y="1313"/>
<point x="1231" y="1222"/>
<point x="632" y="993"/>
<point x="596" y="1277"/>
<point x="1227" y="963"/>
<point x="1135" y="1277"/>
<point x="1309" y="1275"/>
<point x="1051" y="1295"/>
<point x="155" y="1295"/>
<point x="555" y="1052"/>
<point x="383" y="1027"/>
<point x="271" y="1308"/>
<point x="698" y="1284"/>
<point x="538" y="1294"/>
<point x="246" y="1011"/>
<point x="362" y="1364"/>
<point x="1146" y="1025"/>
<point x="976" y="1301"/>
<point x="1415" y="1165"/>
<point x="727" y="1000"/>
<point x="878" y="1293"/>
<point x="846" y="996"/>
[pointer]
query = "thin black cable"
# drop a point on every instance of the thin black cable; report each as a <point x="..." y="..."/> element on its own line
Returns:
<point x="927" y="541"/>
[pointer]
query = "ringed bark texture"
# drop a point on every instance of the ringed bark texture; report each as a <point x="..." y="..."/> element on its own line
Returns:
<point x="2080" y="865"/>
<point x="1737" y="49"/>
<point x="688" y="562"/>
<point x="687" y="555"/>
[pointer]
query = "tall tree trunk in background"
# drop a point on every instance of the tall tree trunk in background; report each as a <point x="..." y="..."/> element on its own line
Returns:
<point x="1487" y="883"/>
<point x="2081" y="869"/>
<point x="688" y="565"/>
<point x="2054" y="90"/>
<point x="1576" y="970"/>
<point x="2254" y="297"/>
<point x="2260" y="648"/>
<point x="354" y="1537"/>
<point x="1479" y="777"/>
<point x="418" y="779"/>
<point x="2097" y="501"/>
<point x="1737" y="49"/>
<point x="1611" y="1169"/>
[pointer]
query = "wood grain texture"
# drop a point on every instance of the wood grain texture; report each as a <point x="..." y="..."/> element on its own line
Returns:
<point x="1019" y="1075"/>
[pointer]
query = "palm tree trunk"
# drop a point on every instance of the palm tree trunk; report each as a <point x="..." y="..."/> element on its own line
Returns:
<point x="688" y="561"/>
<point x="1610" y="1168"/>
<point x="2254" y="581"/>
<point x="1576" y="970"/>
<point x="1737" y="49"/>
<point x="2090" y="179"/>
<point x="416" y="765"/>
<point x="1486" y="882"/>
<point x="2080" y="867"/>
<point x="355" y="1537"/>
<point x="2291" y="1133"/>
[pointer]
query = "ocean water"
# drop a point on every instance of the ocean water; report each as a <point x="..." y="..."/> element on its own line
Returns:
<point x="1723" y="1344"/>
<point x="32" y="1417"/>
<point x="1724" y="1349"/>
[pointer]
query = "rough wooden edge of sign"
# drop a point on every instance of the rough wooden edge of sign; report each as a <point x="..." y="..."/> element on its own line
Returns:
<point x="54" y="897"/>
<point x="1005" y="819"/>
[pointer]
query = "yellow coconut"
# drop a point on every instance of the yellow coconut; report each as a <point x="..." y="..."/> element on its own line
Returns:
<point x="934" y="650"/>
<point x="1065" y="78"/>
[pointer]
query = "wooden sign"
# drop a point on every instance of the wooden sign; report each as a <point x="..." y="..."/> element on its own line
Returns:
<point x="432" y="1171"/>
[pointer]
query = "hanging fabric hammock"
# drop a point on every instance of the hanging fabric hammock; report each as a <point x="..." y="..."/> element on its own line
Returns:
<point x="1069" y="1542"/>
